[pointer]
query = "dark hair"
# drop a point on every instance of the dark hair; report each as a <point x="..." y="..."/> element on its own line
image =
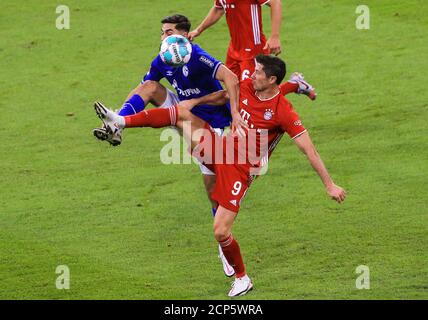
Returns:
<point x="273" y="66"/>
<point x="182" y="22"/>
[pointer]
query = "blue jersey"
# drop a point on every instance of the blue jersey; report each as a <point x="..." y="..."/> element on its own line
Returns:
<point x="193" y="80"/>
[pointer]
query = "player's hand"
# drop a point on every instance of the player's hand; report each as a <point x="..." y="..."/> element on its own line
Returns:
<point x="238" y="125"/>
<point x="273" y="44"/>
<point x="336" y="193"/>
<point x="193" y="34"/>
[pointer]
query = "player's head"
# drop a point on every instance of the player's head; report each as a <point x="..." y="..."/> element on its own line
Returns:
<point x="269" y="71"/>
<point x="175" y="24"/>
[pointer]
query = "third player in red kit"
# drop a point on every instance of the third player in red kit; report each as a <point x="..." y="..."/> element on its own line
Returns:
<point x="244" y="18"/>
<point x="247" y="40"/>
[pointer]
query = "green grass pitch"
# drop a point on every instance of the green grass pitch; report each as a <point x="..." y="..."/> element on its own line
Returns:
<point x="129" y="227"/>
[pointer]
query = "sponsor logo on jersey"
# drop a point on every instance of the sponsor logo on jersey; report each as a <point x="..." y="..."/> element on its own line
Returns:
<point x="245" y="102"/>
<point x="185" y="71"/>
<point x="244" y="115"/>
<point x="169" y="73"/>
<point x="233" y="202"/>
<point x="268" y="114"/>
<point x="187" y="92"/>
<point x="207" y="61"/>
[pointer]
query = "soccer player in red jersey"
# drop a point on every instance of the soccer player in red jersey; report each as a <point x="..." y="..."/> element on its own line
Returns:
<point x="247" y="40"/>
<point x="267" y="116"/>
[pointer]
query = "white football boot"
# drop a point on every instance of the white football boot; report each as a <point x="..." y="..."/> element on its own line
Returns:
<point x="227" y="268"/>
<point x="304" y="87"/>
<point x="240" y="286"/>
<point x="113" y="125"/>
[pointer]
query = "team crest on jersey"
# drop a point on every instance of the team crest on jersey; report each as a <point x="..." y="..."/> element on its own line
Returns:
<point x="226" y="5"/>
<point x="185" y="71"/>
<point x="268" y="114"/>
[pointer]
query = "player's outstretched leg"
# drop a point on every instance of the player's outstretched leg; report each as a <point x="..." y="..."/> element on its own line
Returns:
<point x="149" y="91"/>
<point x="304" y="87"/>
<point x="298" y="85"/>
<point x="154" y="118"/>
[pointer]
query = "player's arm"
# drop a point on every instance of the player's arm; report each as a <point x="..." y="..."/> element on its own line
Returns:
<point x="305" y="144"/>
<point x="212" y="17"/>
<point x="217" y="98"/>
<point x="231" y="83"/>
<point x="274" y="42"/>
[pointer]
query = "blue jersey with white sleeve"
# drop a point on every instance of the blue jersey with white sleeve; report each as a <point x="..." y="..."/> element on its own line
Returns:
<point x="195" y="79"/>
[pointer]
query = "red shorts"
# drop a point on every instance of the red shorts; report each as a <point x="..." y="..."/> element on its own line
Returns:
<point x="243" y="69"/>
<point x="230" y="187"/>
<point x="232" y="179"/>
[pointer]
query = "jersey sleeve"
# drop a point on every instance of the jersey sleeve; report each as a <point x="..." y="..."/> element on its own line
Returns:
<point x="153" y="74"/>
<point x="262" y="2"/>
<point x="203" y="63"/>
<point x="290" y="121"/>
<point x="282" y="88"/>
<point x="217" y="4"/>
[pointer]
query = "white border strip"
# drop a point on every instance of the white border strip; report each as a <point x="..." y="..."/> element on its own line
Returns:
<point x="299" y="134"/>
<point x="216" y="68"/>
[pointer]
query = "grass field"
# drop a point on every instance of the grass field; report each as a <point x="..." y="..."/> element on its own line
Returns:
<point x="129" y="227"/>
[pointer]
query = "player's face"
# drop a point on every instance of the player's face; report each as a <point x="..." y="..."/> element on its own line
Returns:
<point x="169" y="29"/>
<point x="259" y="78"/>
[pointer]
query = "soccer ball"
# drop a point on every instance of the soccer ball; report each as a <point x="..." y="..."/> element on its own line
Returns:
<point x="175" y="50"/>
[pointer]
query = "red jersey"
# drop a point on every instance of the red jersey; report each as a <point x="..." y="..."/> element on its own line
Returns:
<point x="238" y="160"/>
<point x="244" y="18"/>
<point x="267" y="120"/>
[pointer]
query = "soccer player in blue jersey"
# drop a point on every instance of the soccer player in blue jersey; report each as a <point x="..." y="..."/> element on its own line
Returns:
<point x="200" y="76"/>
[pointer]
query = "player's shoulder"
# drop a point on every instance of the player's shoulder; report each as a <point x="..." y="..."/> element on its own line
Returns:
<point x="197" y="51"/>
<point x="157" y="62"/>
<point x="284" y="102"/>
<point x="285" y="107"/>
<point x="200" y="56"/>
<point x="246" y="84"/>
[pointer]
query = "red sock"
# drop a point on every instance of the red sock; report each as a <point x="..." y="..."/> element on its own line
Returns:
<point x="232" y="252"/>
<point x="155" y="118"/>
<point x="288" y="87"/>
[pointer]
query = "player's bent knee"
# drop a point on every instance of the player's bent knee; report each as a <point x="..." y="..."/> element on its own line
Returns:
<point x="221" y="233"/>
<point x="148" y="88"/>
